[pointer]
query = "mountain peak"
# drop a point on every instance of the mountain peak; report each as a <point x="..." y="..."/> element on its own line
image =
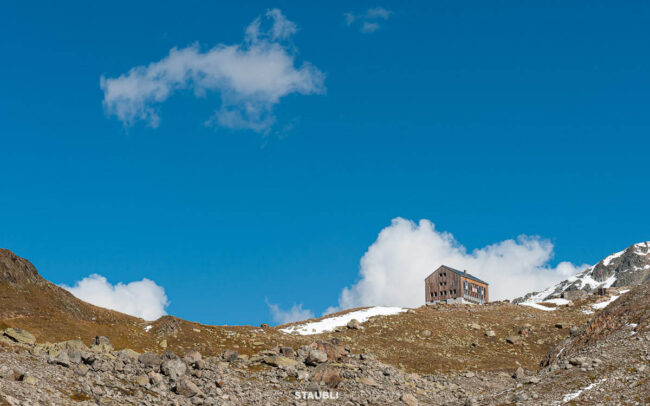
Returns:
<point x="15" y="270"/>
<point x="630" y="267"/>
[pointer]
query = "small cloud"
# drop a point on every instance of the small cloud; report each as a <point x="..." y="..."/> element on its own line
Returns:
<point x="296" y="313"/>
<point x="349" y="18"/>
<point x="378" y="12"/>
<point x="367" y="27"/>
<point x="251" y="77"/>
<point x="144" y="299"/>
<point x="368" y="20"/>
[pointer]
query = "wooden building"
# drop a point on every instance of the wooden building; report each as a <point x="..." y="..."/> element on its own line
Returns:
<point x="449" y="285"/>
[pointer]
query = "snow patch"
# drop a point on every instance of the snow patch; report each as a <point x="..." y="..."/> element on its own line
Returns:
<point x="148" y="328"/>
<point x="558" y="301"/>
<point x="571" y="396"/>
<point x="603" y="305"/>
<point x="538" y="306"/>
<point x="330" y="323"/>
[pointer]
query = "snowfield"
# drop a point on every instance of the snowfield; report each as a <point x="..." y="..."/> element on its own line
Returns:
<point x="330" y="323"/>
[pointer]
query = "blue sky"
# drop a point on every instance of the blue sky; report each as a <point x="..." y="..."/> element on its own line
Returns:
<point x="491" y="120"/>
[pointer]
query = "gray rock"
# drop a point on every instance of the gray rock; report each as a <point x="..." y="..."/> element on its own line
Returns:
<point x="315" y="357"/>
<point x="185" y="387"/>
<point x="150" y="360"/>
<point x="354" y="324"/>
<point x="173" y="368"/>
<point x="519" y="373"/>
<point x="230" y="355"/>
<point x="409" y="399"/>
<point x="19" y="335"/>
<point x="192" y="356"/>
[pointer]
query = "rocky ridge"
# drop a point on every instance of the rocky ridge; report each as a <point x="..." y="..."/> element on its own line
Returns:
<point x="630" y="267"/>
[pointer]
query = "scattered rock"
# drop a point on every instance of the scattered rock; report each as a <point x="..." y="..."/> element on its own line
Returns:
<point x="230" y="355"/>
<point x="185" y="387"/>
<point x="192" y="357"/>
<point x="315" y="357"/>
<point x="173" y="368"/>
<point x="328" y="376"/>
<point x="142" y="380"/>
<point x="279" y="361"/>
<point x="19" y="335"/>
<point x="516" y="340"/>
<point x="409" y="399"/>
<point x="354" y="324"/>
<point x="519" y="373"/>
<point x="150" y="360"/>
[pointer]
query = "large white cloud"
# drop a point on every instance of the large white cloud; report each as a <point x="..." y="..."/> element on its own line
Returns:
<point x="394" y="267"/>
<point x="144" y="299"/>
<point x="251" y="77"/>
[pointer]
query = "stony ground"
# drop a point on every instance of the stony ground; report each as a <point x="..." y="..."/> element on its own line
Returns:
<point x="56" y="349"/>
<point x="605" y="361"/>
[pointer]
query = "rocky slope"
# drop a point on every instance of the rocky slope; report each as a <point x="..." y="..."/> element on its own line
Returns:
<point x="56" y="349"/>
<point x="630" y="267"/>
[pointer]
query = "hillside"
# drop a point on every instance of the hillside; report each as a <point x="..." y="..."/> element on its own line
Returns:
<point x="439" y="354"/>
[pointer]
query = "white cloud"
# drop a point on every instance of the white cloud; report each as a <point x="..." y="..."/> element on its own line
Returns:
<point x="379" y="13"/>
<point x="367" y="27"/>
<point x="296" y="313"/>
<point x="393" y="269"/>
<point x="369" y="20"/>
<point x="251" y="78"/>
<point x="144" y="299"/>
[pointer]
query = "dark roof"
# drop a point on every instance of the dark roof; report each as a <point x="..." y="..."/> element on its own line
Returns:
<point x="461" y="273"/>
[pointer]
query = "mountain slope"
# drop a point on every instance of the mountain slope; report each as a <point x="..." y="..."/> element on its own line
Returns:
<point x="630" y="267"/>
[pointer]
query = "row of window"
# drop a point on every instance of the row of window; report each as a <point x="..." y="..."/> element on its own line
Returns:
<point x="443" y="293"/>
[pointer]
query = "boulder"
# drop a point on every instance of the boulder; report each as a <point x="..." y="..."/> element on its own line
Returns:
<point x="155" y="378"/>
<point x="409" y="399"/>
<point x="490" y="333"/>
<point x="335" y="351"/>
<point x="101" y="345"/>
<point x="287" y="352"/>
<point x="315" y="357"/>
<point x="279" y="361"/>
<point x="81" y="370"/>
<point x="325" y="375"/>
<point x="185" y="387"/>
<point x="127" y="354"/>
<point x="519" y="373"/>
<point x="354" y="324"/>
<point x="169" y="355"/>
<point x="229" y="355"/>
<point x="61" y="359"/>
<point x="173" y="368"/>
<point x="192" y="357"/>
<point x="516" y="340"/>
<point x="150" y="360"/>
<point x="142" y="380"/>
<point x="425" y="333"/>
<point x="19" y="335"/>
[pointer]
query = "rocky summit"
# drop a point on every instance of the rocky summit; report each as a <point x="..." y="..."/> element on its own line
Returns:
<point x="630" y="267"/>
<point x="58" y="350"/>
